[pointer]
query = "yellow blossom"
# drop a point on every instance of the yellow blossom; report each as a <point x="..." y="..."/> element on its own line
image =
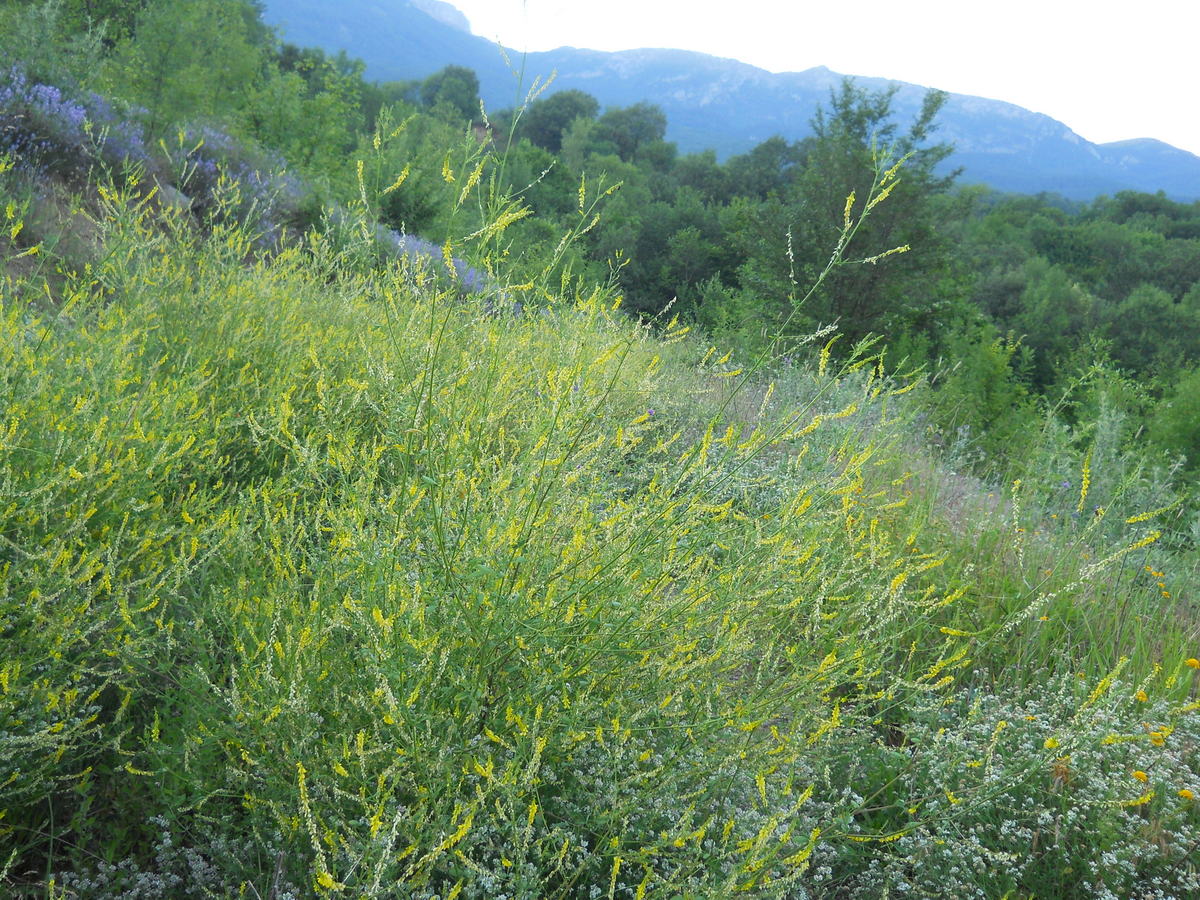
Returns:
<point x="1187" y="795"/>
<point x="1050" y="743"/>
<point x="1192" y="663"/>
<point x="1140" y="775"/>
<point x="1141" y="697"/>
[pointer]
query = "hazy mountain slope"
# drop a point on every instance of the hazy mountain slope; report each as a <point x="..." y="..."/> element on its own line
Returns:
<point x="397" y="39"/>
<point x="731" y="106"/>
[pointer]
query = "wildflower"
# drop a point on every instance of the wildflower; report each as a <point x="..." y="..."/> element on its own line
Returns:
<point x="1141" y="697"/>
<point x="1192" y="663"/>
<point x="1086" y="481"/>
<point x="328" y="882"/>
<point x="1050" y="743"/>
<point x="1187" y="795"/>
<point x="1158" y="739"/>
<point x="1140" y="775"/>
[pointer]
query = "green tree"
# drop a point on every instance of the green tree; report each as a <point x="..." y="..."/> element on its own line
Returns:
<point x="630" y="128"/>
<point x="188" y="61"/>
<point x="1153" y="334"/>
<point x="414" y="146"/>
<point x="764" y="170"/>
<point x="309" y="109"/>
<point x="786" y="239"/>
<point x="1175" y="421"/>
<point x="978" y="394"/>
<point x="545" y="121"/>
<point x="378" y="94"/>
<point x="454" y="88"/>
<point x="582" y="142"/>
<point x="111" y="19"/>
<point x="540" y="180"/>
<point x="702" y="172"/>
<point x="50" y="47"/>
<point x="1054" y="315"/>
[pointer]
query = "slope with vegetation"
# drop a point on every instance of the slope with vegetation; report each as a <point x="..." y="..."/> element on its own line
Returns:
<point x="355" y="541"/>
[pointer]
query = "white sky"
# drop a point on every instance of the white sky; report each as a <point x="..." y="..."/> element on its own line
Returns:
<point x="1110" y="70"/>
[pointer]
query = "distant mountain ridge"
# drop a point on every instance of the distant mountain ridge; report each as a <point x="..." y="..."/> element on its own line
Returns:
<point x="444" y="13"/>
<point x="730" y="106"/>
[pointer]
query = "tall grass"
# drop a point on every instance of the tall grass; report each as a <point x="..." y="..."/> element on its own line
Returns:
<point x="320" y="577"/>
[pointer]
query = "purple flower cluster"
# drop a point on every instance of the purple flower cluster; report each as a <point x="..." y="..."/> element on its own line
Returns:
<point x="46" y="132"/>
<point x="469" y="280"/>
<point x="267" y="197"/>
<point x="43" y="130"/>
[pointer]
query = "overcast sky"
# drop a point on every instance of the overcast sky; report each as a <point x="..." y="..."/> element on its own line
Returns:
<point x="1108" y="70"/>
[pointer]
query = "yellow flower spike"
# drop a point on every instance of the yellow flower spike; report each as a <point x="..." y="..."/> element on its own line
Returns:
<point x="328" y="882"/>
<point x="1085" y="482"/>
<point x="1139" y="801"/>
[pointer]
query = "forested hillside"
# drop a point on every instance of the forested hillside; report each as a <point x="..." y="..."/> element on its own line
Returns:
<point x="400" y="498"/>
<point x="729" y="106"/>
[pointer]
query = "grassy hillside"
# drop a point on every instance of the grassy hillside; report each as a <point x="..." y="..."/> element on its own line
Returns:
<point x="339" y="562"/>
<point x="321" y="579"/>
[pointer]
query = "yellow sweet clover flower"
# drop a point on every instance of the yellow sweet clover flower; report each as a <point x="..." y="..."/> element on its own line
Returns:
<point x="1141" y="697"/>
<point x="328" y="882"/>
<point x="1140" y="775"/>
<point x="1187" y="795"/>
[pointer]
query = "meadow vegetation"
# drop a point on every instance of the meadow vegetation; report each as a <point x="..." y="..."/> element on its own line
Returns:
<point x="356" y="540"/>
